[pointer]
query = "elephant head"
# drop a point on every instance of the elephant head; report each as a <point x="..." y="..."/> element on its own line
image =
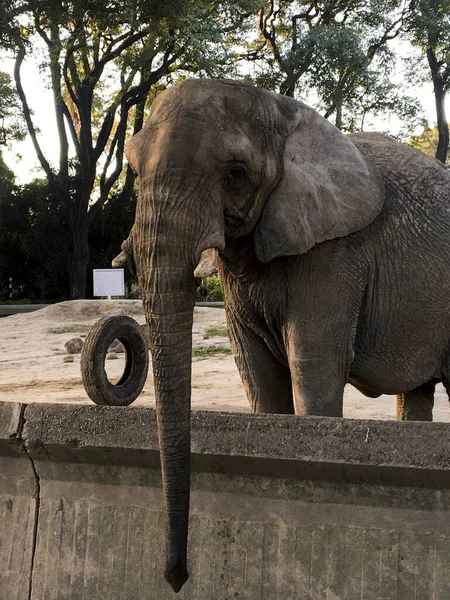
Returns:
<point x="220" y="160"/>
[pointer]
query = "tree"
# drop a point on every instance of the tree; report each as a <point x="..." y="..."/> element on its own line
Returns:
<point x="427" y="141"/>
<point x="12" y="126"/>
<point x="103" y="59"/>
<point x="34" y="254"/>
<point x="337" y="49"/>
<point x="428" y="27"/>
<point x="110" y="227"/>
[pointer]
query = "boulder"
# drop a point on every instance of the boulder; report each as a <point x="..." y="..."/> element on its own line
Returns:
<point x="74" y="345"/>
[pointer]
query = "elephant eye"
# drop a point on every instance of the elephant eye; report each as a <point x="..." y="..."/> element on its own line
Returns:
<point x="235" y="178"/>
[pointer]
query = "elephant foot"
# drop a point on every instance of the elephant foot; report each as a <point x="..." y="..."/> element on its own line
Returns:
<point x="416" y="405"/>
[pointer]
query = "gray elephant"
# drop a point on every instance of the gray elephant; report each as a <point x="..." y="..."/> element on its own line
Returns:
<point x="334" y="254"/>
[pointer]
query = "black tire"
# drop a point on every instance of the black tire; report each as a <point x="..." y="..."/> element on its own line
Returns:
<point x="93" y="355"/>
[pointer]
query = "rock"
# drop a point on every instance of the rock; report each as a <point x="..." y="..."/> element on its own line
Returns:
<point x="74" y="345"/>
<point x="117" y="347"/>
<point x="68" y="358"/>
<point x="111" y="356"/>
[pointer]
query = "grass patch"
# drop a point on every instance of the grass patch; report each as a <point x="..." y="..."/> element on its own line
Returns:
<point x="70" y="329"/>
<point x="210" y="352"/>
<point x="217" y="331"/>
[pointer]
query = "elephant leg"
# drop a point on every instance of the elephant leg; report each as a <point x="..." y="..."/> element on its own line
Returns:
<point x="267" y="382"/>
<point x="320" y="355"/>
<point x="416" y="405"/>
<point x="318" y="386"/>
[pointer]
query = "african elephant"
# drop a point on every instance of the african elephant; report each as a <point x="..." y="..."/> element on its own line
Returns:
<point x="333" y="251"/>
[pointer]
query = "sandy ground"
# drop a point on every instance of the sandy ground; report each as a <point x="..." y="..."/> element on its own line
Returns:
<point x="32" y="367"/>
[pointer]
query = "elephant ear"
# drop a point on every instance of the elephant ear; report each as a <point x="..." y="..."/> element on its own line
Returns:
<point x="327" y="188"/>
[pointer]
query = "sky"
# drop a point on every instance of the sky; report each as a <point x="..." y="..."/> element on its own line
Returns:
<point x="21" y="158"/>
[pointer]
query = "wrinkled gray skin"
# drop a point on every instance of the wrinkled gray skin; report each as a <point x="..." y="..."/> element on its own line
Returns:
<point x="334" y="257"/>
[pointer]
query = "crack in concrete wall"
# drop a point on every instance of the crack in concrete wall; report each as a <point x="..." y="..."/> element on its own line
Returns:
<point x="20" y="492"/>
<point x="36" y="496"/>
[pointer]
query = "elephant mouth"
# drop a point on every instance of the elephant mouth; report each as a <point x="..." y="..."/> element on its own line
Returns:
<point x="232" y="223"/>
<point x="237" y="219"/>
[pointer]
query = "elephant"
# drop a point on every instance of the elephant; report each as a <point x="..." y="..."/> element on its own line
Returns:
<point x="333" y="252"/>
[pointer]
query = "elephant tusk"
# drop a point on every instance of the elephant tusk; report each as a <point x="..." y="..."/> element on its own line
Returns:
<point x="120" y="261"/>
<point x="207" y="265"/>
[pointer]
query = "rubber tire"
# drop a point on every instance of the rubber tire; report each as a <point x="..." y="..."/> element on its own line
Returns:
<point x="93" y="354"/>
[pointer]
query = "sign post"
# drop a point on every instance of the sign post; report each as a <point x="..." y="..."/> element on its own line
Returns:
<point x="109" y="282"/>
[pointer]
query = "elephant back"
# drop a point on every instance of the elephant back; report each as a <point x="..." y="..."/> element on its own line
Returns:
<point x="414" y="177"/>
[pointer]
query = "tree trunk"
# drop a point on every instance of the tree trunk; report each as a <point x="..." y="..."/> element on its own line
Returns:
<point x="80" y="259"/>
<point x="287" y="88"/>
<point x="439" y="96"/>
<point x="443" y="141"/>
<point x="339" y="114"/>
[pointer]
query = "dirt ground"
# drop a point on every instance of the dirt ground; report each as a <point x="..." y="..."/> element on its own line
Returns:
<point x="32" y="367"/>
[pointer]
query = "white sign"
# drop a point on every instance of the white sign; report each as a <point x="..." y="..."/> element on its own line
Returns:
<point x="109" y="282"/>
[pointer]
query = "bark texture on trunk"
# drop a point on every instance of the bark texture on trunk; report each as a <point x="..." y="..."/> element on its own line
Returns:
<point x="443" y="141"/>
<point x="80" y="260"/>
<point x="439" y="96"/>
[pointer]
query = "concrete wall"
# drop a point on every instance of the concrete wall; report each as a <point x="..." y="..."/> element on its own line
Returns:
<point x="282" y="507"/>
<point x="18" y="495"/>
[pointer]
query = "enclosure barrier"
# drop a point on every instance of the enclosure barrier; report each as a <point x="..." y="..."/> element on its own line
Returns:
<point x="282" y="507"/>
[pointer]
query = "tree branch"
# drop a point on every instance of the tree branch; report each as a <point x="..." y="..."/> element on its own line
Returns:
<point x="73" y="132"/>
<point x="387" y="35"/>
<point x="39" y="29"/>
<point x="70" y="67"/>
<point x="27" y="114"/>
<point x="111" y="55"/>
<point x="108" y="121"/>
<point x="82" y="48"/>
<point x="270" y="35"/>
<point x="59" y="104"/>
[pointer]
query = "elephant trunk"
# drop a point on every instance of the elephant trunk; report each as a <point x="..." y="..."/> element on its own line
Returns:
<point x="167" y="287"/>
<point x="166" y="251"/>
<point x="170" y="315"/>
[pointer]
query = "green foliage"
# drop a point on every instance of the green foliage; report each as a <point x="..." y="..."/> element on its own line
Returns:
<point x="34" y="254"/>
<point x="103" y="60"/>
<point x="336" y="50"/>
<point x="9" y="25"/>
<point x="427" y="141"/>
<point x="6" y="179"/>
<point x="12" y="126"/>
<point x="210" y="352"/>
<point x="428" y="24"/>
<point x="217" y="331"/>
<point x="428" y="28"/>
<point x="107" y="59"/>
<point x="215" y="292"/>
<point x="110" y="227"/>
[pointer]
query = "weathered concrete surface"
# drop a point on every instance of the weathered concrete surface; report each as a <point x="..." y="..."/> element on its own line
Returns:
<point x="282" y="507"/>
<point x="17" y="507"/>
